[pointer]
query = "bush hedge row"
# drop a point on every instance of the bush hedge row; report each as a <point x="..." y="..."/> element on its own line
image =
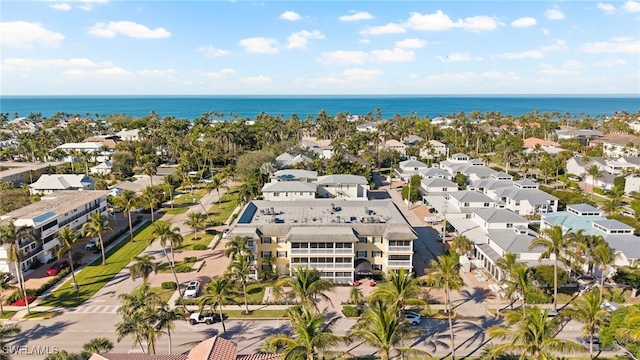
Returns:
<point x="190" y="259"/>
<point x="169" y="285"/>
<point x="199" y="247"/>
<point x="351" y="311"/>
<point x="183" y="268"/>
<point x="17" y="294"/>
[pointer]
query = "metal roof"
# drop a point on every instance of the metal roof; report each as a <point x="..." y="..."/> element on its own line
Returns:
<point x="499" y="216"/>
<point x="342" y="179"/>
<point x="289" y="186"/>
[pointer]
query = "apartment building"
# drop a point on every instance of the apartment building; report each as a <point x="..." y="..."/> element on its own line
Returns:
<point x="26" y="172"/>
<point x="48" y="184"/>
<point x="46" y="217"/>
<point x="343" y="239"/>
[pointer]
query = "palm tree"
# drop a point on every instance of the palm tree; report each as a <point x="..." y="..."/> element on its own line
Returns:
<point x="404" y="289"/>
<point x="631" y="330"/>
<point x="62" y="355"/>
<point x="139" y="317"/>
<point x="555" y="243"/>
<point x="270" y="262"/>
<point x="195" y="220"/>
<point x="595" y="173"/>
<point x="7" y="330"/>
<point x="97" y="225"/>
<point x="128" y="201"/>
<point x="534" y="335"/>
<point x="11" y="236"/>
<point x="237" y="245"/>
<point x="313" y="337"/>
<point x="215" y="184"/>
<point x="165" y="318"/>
<point x="587" y="310"/>
<point x="67" y="238"/>
<point x="6" y="283"/>
<point x="218" y="291"/>
<point x="604" y="256"/>
<point x="383" y="328"/>
<point x="240" y="269"/>
<point x="151" y="197"/>
<point x="150" y="170"/>
<point x="306" y="284"/>
<point x="445" y="274"/>
<point x="97" y="346"/>
<point x="507" y="263"/>
<point x="461" y="244"/>
<point x="356" y="296"/>
<point x="520" y="282"/>
<point x="86" y="156"/>
<point x="143" y="266"/>
<point x="171" y="237"/>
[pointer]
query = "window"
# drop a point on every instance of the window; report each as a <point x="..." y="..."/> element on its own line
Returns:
<point x="275" y="194"/>
<point x="517" y="211"/>
<point x="517" y="202"/>
<point x="509" y="226"/>
<point x="467" y="216"/>
<point x="265" y="240"/>
<point x="444" y="189"/>
<point x="281" y="240"/>
<point x="250" y="243"/>
<point x="266" y="267"/>
<point x="466" y="205"/>
<point x="377" y="239"/>
<point x="361" y="254"/>
<point x="376" y="267"/>
<point x="265" y="253"/>
<point x="486" y="204"/>
<point x="376" y="253"/>
<point x="282" y="254"/>
<point x="362" y="239"/>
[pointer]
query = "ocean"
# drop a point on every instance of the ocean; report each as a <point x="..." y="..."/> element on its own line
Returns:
<point x="191" y="107"/>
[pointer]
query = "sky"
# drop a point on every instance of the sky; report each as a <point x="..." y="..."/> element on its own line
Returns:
<point x="106" y="47"/>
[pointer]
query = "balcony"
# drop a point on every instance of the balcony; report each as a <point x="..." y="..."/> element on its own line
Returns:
<point x="399" y="263"/>
<point x="399" y="249"/>
<point x="322" y="252"/>
<point x="32" y="253"/>
<point x="322" y="266"/>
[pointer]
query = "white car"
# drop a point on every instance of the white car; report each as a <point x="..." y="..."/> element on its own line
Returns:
<point x="627" y="213"/>
<point x="225" y="233"/>
<point x="92" y="244"/>
<point x="193" y="289"/>
<point x="413" y="318"/>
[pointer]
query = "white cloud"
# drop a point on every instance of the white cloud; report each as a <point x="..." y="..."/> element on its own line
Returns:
<point x="356" y="16"/>
<point x="573" y="65"/>
<point x="455" y="57"/>
<point x="356" y="74"/>
<point x="610" y="63"/>
<point x="607" y="8"/>
<point x="397" y="55"/>
<point x="22" y="34"/>
<point x="30" y="64"/>
<point x="558" y="44"/>
<point x="554" y="14"/>
<point x="298" y="40"/>
<point x="411" y="43"/>
<point x="554" y="71"/>
<point x="364" y="41"/>
<point x="220" y="74"/>
<point x="524" y="22"/>
<point x="390" y="28"/>
<point x="439" y="21"/>
<point x="260" y="45"/>
<point x="616" y="45"/>
<point x="108" y="73"/>
<point x="500" y="75"/>
<point x="168" y="73"/>
<point x="534" y="54"/>
<point x="127" y="28"/>
<point x="631" y="6"/>
<point x="290" y="16"/>
<point x="479" y="23"/>
<point x="210" y="51"/>
<point x="545" y="31"/>
<point x="87" y="5"/>
<point x="61" y="6"/>
<point x="342" y="57"/>
<point x="261" y="79"/>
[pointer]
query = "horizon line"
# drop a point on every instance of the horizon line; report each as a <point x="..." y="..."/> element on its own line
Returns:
<point x="324" y="95"/>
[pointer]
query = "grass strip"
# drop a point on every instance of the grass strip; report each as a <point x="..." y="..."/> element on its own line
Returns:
<point x="222" y="209"/>
<point x="7" y="314"/>
<point x="40" y="314"/>
<point x="93" y="277"/>
<point x="239" y="314"/>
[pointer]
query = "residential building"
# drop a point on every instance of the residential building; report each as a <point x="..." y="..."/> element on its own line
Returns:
<point x="434" y="172"/>
<point x="591" y="221"/>
<point x="322" y="148"/>
<point x="442" y="121"/>
<point x="343" y="239"/>
<point x="532" y="145"/>
<point x="583" y="136"/>
<point x="406" y="169"/>
<point x="295" y="175"/>
<point x="609" y="168"/>
<point x="46" y="217"/>
<point x="214" y="348"/>
<point x="286" y="160"/>
<point x="48" y="184"/>
<point x="94" y="148"/>
<point x="433" y="149"/>
<point x="368" y="127"/>
<point x="524" y="198"/>
<point x="26" y="172"/>
<point x="631" y="184"/>
<point x="129" y="135"/>
<point x="350" y="187"/>
<point x="412" y="140"/>
<point x="104" y="168"/>
<point x="616" y="145"/>
<point x="395" y="145"/>
<point x="141" y="182"/>
<point x="289" y="190"/>
<point x="108" y="141"/>
<point x="434" y="185"/>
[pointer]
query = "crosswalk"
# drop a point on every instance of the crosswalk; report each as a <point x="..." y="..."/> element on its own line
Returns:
<point x="94" y="309"/>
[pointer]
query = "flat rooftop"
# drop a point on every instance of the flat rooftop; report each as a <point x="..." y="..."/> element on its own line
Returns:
<point x="9" y="168"/>
<point x="321" y="211"/>
<point x="59" y="202"/>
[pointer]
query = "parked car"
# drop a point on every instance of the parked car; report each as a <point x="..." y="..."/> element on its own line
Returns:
<point x="57" y="267"/>
<point x="413" y="317"/>
<point x="610" y="307"/>
<point x="92" y="244"/>
<point x="627" y="213"/>
<point x="193" y="289"/>
<point x="225" y="233"/>
<point x="203" y="317"/>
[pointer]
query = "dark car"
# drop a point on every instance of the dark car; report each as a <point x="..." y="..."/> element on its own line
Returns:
<point x="56" y="268"/>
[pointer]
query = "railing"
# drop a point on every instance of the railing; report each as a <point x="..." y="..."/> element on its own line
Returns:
<point x="330" y="266"/>
<point x="321" y="251"/>
<point x="78" y="215"/>
<point x="33" y="252"/>
<point x="406" y="263"/>
<point x="401" y="248"/>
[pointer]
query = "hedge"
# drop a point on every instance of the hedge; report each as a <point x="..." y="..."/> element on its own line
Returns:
<point x="538" y="298"/>
<point x="183" y="268"/>
<point x="199" y="247"/>
<point x="17" y="294"/>
<point x="351" y="311"/>
<point x="169" y="285"/>
<point x="123" y="231"/>
<point x="190" y="259"/>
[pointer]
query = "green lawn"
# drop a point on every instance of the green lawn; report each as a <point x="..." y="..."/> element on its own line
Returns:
<point x="95" y="276"/>
<point x="164" y="294"/>
<point x="189" y="198"/>
<point x="41" y="314"/>
<point x="7" y="315"/>
<point x="221" y="210"/>
<point x="176" y="210"/>
<point x="255" y="293"/>
<point x="238" y="314"/>
<point x="188" y="243"/>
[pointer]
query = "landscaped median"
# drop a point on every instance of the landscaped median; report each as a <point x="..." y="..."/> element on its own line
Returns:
<point x="94" y="276"/>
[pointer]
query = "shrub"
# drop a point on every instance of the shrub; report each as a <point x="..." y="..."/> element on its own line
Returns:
<point x="190" y="259"/>
<point x="169" y="285"/>
<point x="538" y="298"/>
<point x="54" y="280"/>
<point x="544" y="275"/>
<point x="199" y="247"/>
<point x="598" y="191"/>
<point x="351" y="311"/>
<point x="17" y="295"/>
<point x="211" y="231"/>
<point x="183" y="269"/>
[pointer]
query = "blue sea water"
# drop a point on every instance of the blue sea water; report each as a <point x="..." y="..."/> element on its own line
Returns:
<point x="249" y="106"/>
